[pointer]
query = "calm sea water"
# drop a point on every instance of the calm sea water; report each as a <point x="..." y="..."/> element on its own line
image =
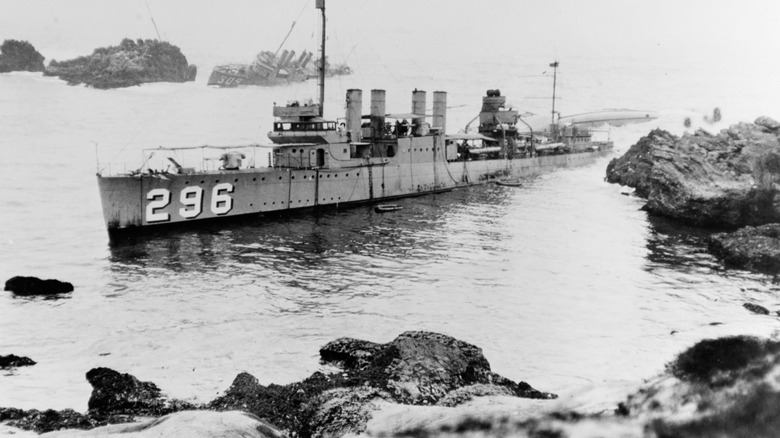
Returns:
<point x="565" y="283"/>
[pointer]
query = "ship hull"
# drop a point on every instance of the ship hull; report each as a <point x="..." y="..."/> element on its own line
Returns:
<point x="148" y="202"/>
<point x="230" y="78"/>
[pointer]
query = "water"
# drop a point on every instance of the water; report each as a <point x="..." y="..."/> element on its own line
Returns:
<point x="565" y="283"/>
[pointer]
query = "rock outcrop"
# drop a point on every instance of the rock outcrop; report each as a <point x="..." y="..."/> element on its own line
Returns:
<point x="36" y="286"/>
<point x="724" y="180"/>
<point x="724" y="387"/>
<point x="114" y="393"/>
<point x="130" y="63"/>
<point x="19" y="56"/>
<point x="13" y="361"/>
<point x="753" y="248"/>
<point x="419" y="368"/>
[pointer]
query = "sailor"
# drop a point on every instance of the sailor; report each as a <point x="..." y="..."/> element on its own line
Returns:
<point x="231" y="160"/>
<point x="404" y="128"/>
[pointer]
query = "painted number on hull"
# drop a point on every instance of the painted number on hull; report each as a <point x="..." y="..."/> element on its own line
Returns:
<point x="191" y="199"/>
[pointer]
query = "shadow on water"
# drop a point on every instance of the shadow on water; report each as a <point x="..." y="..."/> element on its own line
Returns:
<point x="680" y="248"/>
<point x="673" y="244"/>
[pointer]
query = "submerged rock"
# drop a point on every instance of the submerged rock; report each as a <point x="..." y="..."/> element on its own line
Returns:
<point x="12" y="361"/>
<point x="19" y="56"/>
<point x="724" y="180"/>
<point x="130" y="63"/>
<point x="36" y="286"/>
<point x="754" y="248"/>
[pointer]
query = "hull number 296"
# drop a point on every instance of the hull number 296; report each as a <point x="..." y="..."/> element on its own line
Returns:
<point x="191" y="200"/>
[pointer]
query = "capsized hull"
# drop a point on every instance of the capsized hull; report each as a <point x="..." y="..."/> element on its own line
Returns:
<point x="151" y="201"/>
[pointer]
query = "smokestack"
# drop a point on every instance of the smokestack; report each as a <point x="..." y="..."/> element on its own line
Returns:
<point x="418" y="107"/>
<point x="377" y="112"/>
<point x="354" y="112"/>
<point x="440" y="110"/>
<point x="301" y="58"/>
<point x="283" y="60"/>
<point x="306" y="61"/>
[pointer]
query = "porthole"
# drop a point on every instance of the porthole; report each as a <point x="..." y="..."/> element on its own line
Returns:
<point x="263" y="179"/>
<point x="280" y="178"/>
<point x="254" y="179"/>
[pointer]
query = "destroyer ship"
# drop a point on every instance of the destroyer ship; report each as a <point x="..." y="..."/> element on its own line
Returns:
<point x="364" y="158"/>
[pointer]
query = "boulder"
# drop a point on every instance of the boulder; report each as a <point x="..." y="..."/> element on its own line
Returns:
<point x="114" y="393"/>
<point x="19" y="56"/>
<point x="45" y="421"/>
<point x="419" y="368"/>
<point x="724" y="387"/>
<point x="36" y="286"/>
<point x="718" y="387"/>
<point x="130" y="63"/>
<point x="12" y="361"/>
<point x="753" y="248"/>
<point x="725" y="180"/>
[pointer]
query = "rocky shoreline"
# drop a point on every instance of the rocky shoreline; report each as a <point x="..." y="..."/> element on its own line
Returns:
<point x="128" y="64"/>
<point x="416" y="368"/>
<point x="727" y="182"/>
<point x="718" y="386"/>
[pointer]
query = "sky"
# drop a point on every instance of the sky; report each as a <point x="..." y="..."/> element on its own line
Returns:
<point x="659" y="29"/>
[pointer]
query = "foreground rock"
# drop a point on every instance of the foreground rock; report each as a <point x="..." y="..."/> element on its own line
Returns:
<point x="724" y="180"/>
<point x="36" y="286"/>
<point x="115" y="393"/>
<point x="19" y="56"/>
<point x="719" y="387"/>
<point x="723" y="387"/>
<point x="116" y="398"/>
<point x="130" y="63"/>
<point x="753" y="248"/>
<point x="416" y="368"/>
<point x="190" y="424"/>
<point x="13" y="361"/>
<point x="420" y="368"/>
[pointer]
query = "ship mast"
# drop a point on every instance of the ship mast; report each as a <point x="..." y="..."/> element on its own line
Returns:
<point x="554" y="65"/>
<point x="321" y="5"/>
